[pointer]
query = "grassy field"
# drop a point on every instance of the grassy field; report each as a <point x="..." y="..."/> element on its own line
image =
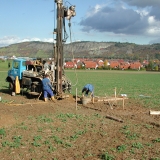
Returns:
<point x="4" y="65"/>
<point x="142" y="86"/>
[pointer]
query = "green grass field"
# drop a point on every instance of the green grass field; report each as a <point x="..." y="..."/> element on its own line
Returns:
<point x="4" y="65"/>
<point x="139" y="85"/>
<point x="142" y="86"/>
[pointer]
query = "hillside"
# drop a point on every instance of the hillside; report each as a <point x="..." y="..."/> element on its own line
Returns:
<point x="84" y="49"/>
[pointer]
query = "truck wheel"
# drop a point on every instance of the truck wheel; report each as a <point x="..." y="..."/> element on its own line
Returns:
<point x="36" y="87"/>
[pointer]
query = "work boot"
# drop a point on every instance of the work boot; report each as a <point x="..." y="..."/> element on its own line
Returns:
<point x="45" y="99"/>
<point x="53" y="99"/>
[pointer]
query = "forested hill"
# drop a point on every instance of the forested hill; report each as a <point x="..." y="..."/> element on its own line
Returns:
<point x="85" y="49"/>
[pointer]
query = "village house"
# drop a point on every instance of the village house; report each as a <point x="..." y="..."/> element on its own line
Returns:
<point x="70" y="65"/>
<point x="100" y="63"/>
<point x="90" y="64"/>
<point x="135" y="65"/>
<point x="114" y="64"/>
<point x="124" y="65"/>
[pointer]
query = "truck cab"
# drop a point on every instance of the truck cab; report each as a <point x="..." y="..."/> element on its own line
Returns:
<point x="17" y="68"/>
<point x="29" y="75"/>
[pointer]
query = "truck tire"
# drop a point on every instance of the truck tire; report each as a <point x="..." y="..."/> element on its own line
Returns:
<point x="36" y="87"/>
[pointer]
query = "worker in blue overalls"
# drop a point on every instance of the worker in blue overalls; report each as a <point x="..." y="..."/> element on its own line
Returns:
<point x="88" y="89"/>
<point x="47" y="88"/>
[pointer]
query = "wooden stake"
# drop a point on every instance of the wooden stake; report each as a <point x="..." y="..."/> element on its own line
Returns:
<point x="123" y="103"/>
<point x="93" y="100"/>
<point x="76" y="98"/>
<point x="115" y="92"/>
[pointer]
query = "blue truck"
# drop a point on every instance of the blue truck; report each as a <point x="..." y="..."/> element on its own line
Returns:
<point x="30" y="74"/>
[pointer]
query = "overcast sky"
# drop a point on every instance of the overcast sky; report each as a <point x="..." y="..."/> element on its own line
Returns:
<point x="133" y="21"/>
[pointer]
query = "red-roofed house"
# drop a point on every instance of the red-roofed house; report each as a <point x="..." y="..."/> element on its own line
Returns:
<point x="135" y="65"/>
<point x="114" y="64"/>
<point x="124" y="65"/>
<point x="80" y="65"/>
<point x="145" y="63"/>
<point x="100" y="63"/>
<point x="70" y="65"/>
<point x="90" y="64"/>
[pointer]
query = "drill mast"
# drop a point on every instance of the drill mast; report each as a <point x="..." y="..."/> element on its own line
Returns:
<point x="62" y="12"/>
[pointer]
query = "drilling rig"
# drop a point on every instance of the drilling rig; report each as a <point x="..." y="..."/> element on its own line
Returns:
<point x="31" y="72"/>
<point x="62" y="13"/>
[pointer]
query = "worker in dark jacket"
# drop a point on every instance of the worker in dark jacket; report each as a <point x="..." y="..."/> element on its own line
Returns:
<point x="47" y="88"/>
<point x="88" y="88"/>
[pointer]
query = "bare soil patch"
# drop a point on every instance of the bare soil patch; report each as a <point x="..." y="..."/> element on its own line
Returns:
<point x="56" y="131"/>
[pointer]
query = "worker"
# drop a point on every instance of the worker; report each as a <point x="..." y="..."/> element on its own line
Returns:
<point x="47" y="88"/>
<point x="88" y="88"/>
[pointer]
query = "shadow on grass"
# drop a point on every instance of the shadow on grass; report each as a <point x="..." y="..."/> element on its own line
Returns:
<point x="6" y="91"/>
<point x="22" y="93"/>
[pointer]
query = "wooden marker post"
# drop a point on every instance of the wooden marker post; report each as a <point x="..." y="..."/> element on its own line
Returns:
<point x="123" y="103"/>
<point x="115" y="94"/>
<point x="76" y="98"/>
